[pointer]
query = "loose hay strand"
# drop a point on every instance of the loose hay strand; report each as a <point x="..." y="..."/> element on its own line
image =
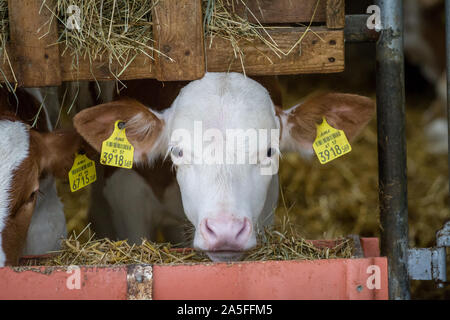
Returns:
<point x="281" y="243"/>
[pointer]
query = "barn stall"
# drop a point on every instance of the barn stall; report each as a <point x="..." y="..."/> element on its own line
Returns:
<point x="267" y="41"/>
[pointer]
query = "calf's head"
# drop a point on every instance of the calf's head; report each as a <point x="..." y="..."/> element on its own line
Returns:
<point x="25" y="156"/>
<point x="224" y="135"/>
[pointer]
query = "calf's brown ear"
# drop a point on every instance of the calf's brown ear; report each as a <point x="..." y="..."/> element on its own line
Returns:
<point x="143" y="127"/>
<point x="56" y="150"/>
<point x="347" y="112"/>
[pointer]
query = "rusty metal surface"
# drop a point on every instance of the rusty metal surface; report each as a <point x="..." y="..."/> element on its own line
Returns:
<point x="140" y="282"/>
<point x="431" y="263"/>
<point x="392" y="147"/>
<point x="356" y="29"/>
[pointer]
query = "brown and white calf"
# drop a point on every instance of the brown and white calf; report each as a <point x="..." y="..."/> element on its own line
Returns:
<point x="226" y="201"/>
<point x="31" y="214"/>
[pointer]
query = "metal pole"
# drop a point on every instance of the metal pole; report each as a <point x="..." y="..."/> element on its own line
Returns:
<point x="447" y="36"/>
<point x="392" y="147"/>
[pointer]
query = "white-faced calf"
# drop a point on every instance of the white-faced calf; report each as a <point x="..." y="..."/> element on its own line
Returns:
<point x="226" y="200"/>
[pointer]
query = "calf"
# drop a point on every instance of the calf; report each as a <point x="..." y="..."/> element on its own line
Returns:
<point x="226" y="201"/>
<point x="28" y="161"/>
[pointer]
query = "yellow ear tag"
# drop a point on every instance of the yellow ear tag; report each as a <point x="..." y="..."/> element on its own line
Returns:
<point x="82" y="172"/>
<point x="330" y="143"/>
<point x="116" y="150"/>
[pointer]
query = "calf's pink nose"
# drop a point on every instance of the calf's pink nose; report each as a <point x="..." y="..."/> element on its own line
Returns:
<point x="223" y="234"/>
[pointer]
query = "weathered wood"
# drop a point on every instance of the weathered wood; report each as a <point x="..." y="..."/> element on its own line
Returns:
<point x="178" y="33"/>
<point x="142" y="67"/>
<point x="335" y="14"/>
<point x="281" y="11"/>
<point x="317" y="56"/>
<point x="36" y="60"/>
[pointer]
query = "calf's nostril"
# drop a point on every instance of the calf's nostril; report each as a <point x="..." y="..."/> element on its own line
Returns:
<point x="209" y="230"/>
<point x="243" y="230"/>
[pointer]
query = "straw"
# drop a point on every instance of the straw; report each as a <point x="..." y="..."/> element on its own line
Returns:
<point x="222" y="21"/>
<point x="282" y="243"/>
<point x="110" y="30"/>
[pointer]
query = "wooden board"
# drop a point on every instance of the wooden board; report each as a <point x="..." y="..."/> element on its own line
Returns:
<point x="317" y="56"/>
<point x="324" y="55"/>
<point x="282" y="11"/>
<point x="142" y="67"/>
<point x="178" y="33"/>
<point x="36" y="61"/>
<point x="335" y="14"/>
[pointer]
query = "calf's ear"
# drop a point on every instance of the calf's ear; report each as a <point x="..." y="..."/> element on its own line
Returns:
<point x="56" y="150"/>
<point x="143" y="127"/>
<point x="347" y="112"/>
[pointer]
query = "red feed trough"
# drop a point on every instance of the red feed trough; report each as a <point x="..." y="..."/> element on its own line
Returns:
<point x="361" y="278"/>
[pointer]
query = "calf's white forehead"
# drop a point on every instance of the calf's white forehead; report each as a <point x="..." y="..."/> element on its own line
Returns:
<point x="14" y="146"/>
<point x="223" y="101"/>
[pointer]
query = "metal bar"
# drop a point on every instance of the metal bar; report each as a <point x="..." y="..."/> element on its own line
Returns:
<point x="392" y="147"/>
<point x="356" y="29"/>
<point x="447" y="29"/>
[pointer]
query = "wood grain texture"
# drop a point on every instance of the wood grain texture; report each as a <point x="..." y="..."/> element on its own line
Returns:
<point x="281" y="11"/>
<point x="36" y="61"/>
<point x="317" y="56"/>
<point x="335" y="14"/>
<point x="178" y="33"/>
<point x="142" y="67"/>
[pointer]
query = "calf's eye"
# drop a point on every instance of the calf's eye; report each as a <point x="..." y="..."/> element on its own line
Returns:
<point x="177" y="152"/>
<point x="32" y="196"/>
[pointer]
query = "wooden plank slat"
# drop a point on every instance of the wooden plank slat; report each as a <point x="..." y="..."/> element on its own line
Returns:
<point x="282" y="11"/>
<point x="142" y="67"/>
<point x="317" y="56"/>
<point x="335" y="14"/>
<point x="178" y="33"/>
<point x="36" y="61"/>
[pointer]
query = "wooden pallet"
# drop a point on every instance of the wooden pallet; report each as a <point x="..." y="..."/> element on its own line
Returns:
<point x="178" y="32"/>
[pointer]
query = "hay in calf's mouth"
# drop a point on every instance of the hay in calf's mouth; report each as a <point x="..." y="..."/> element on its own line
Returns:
<point x="275" y="244"/>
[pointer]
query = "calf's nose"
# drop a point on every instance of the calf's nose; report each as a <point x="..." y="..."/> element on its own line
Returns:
<point x="225" y="234"/>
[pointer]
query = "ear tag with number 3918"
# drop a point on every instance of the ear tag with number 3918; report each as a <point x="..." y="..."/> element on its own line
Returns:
<point x="330" y="143"/>
<point x="116" y="150"/>
<point x="82" y="172"/>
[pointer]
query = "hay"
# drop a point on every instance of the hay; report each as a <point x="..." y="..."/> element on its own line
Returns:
<point x="117" y="31"/>
<point x="4" y="38"/>
<point x="283" y="243"/>
<point x="222" y="21"/>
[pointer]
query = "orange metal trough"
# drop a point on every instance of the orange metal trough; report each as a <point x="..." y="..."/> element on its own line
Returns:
<point x="361" y="278"/>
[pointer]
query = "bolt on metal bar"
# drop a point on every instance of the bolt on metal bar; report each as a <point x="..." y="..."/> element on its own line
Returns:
<point x="392" y="147"/>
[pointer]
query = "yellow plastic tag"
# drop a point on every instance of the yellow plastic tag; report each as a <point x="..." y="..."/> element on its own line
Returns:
<point x="82" y="172"/>
<point x="116" y="150"/>
<point x="330" y="143"/>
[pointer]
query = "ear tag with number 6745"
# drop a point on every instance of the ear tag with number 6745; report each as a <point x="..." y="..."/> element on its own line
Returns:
<point x="116" y="150"/>
<point x="82" y="172"/>
<point x="330" y="143"/>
